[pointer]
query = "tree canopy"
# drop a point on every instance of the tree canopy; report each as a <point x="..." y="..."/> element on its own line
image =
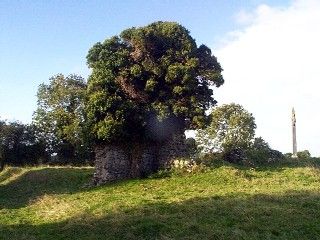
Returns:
<point x="19" y="145"/>
<point x="149" y="82"/>
<point x="60" y="116"/>
<point x="231" y="127"/>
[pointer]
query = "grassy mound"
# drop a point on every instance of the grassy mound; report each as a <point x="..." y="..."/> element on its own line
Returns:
<point x="226" y="202"/>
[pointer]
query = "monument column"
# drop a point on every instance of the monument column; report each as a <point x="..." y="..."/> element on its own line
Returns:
<point x="294" y="135"/>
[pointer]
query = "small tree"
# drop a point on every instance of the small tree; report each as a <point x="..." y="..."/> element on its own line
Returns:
<point x="231" y="131"/>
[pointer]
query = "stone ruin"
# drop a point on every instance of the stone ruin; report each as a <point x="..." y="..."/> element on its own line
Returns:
<point x="119" y="161"/>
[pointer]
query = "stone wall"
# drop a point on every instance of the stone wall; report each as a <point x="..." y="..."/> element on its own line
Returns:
<point x="169" y="150"/>
<point x="111" y="163"/>
<point x="115" y="162"/>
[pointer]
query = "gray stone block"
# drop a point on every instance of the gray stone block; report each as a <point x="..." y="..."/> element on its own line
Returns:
<point x="116" y="162"/>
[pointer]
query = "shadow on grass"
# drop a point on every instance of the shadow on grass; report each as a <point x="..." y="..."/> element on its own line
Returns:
<point x="294" y="215"/>
<point x="35" y="183"/>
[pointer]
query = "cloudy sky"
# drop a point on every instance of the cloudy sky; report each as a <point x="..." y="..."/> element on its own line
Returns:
<point x="271" y="65"/>
<point x="268" y="50"/>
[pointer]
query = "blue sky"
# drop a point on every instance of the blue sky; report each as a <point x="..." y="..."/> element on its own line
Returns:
<point x="41" y="38"/>
<point x="268" y="50"/>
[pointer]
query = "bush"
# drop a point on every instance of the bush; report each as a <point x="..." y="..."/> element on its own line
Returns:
<point x="260" y="153"/>
<point x="304" y="154"/>
<point x="209" y="159"/>
<point x="234" y="155"/>
<point x="288" y="155"/>
<point x="257" y="156"/>
<point x="275" y="155"/>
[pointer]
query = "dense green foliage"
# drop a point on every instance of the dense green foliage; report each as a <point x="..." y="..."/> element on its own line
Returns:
<point x="281" y="201"/>
<point x="231" y="128"/>
<point x="60" y="118"/>
<point x="304" y="154"/>
<point x="260" y="152"/>
<point x="301" y="154"/>
<point x="149" y="82"/>
<point x="230" y="132"/>
<point x="19" y="145"/>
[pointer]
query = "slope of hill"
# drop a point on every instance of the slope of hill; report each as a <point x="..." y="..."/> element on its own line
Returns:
<point x="226" y="202"/>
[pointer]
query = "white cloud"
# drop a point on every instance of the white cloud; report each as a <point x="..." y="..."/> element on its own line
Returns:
<point x="261" y="13"/>
<point x="270" y="66"/>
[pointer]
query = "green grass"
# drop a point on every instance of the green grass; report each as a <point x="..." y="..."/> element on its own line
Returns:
<point x="226" y="202"/>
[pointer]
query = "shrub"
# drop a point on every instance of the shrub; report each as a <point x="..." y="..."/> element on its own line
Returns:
<point x="288" y="155"/>
<point x="304" y="154"/>
<point x="234" y="155"/>
<point x="260" y="152"/>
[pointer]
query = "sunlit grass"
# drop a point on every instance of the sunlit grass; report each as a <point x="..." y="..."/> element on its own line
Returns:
<point x="226" y="202"/>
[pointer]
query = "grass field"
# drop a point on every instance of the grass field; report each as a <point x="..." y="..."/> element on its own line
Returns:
<point x="226" y="202"/>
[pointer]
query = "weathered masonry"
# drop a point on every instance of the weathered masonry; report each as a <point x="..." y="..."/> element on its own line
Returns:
<point x="120" y="161"/>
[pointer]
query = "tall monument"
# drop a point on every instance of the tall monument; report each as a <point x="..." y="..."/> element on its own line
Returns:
<point x="294" y="135"/>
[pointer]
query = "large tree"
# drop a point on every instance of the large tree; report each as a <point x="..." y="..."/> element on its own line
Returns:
<point x="60" y="117"/>
<point x="150" y="82"/>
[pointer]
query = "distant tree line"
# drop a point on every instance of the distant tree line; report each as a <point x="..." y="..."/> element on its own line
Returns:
<point x="230" y="136"/>
<point x="20" y="146"/>
<point x="58" y="132"/>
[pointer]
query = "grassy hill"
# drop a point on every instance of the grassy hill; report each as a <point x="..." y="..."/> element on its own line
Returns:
<point x="226" y="202"/>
